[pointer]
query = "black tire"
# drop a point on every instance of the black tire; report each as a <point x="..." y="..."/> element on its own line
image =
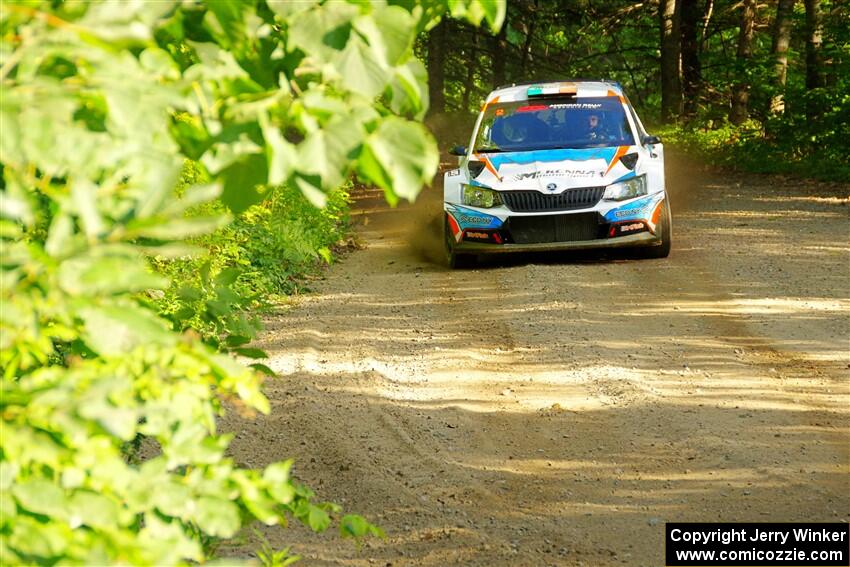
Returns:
<point x="666" y="229"/>
<point x="455" y="260"/>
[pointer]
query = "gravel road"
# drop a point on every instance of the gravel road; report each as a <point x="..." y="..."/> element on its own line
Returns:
<point x="558" y="410"/>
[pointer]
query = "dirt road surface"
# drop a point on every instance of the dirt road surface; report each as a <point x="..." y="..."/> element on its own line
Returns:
<point x="558" y="410"/>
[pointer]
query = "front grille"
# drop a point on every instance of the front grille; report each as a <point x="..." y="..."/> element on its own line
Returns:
<point x="537" y="202"/>
<point x="555" y="228"/>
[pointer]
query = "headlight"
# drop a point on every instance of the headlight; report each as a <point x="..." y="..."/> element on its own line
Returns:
<point x="634" y="187"/>
<point x="481" y="197"/>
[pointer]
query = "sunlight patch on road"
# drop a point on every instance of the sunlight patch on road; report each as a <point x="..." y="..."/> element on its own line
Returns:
<point x="775" y="215"/>
<point x="785" y="199"/>
<point x="536" y="467"/>
<point x="827" y="248"/>
<point x="769" y="306"/>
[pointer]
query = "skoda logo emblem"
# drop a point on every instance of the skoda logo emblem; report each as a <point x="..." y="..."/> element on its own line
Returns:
<point x="551" y="187"/>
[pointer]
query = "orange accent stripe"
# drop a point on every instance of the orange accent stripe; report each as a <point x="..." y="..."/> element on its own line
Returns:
<point x="656" y="214"/>
<point x="621" y="97"/>
<point x="621" y="151"/>
<point x="454" y="227"/>
<point x="493" y="100"/>
<point x="489" y="166"/>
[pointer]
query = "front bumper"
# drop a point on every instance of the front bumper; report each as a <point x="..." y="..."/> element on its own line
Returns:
<point x="642" y="239"/>
<point x="632" y="224"/>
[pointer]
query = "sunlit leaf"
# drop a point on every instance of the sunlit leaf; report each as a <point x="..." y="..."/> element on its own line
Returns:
<point x="241" y="180"/>
<point x="176" y="229"/>
<point x="323" y="31"/>
<point x="92" y="509"/>
<point x="41" y="497"/>
<point x="113" y="329"/>
<point x="217" y="516"/>
<point x="96" y="275"/>
<point x="361" y="70"/>
<point x="251" y="352"/>
<point x="400" y="157"/>
<point x="389" y="32"/>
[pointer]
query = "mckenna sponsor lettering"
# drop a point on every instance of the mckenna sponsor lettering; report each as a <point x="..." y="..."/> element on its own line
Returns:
<point x="570" y="173"/>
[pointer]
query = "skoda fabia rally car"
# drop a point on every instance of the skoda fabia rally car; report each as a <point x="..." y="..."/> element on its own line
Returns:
<point x="557" y="166"/>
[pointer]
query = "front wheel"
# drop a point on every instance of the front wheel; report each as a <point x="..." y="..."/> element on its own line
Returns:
<point x="665" y="227"/>
<point x="455" y="260"/>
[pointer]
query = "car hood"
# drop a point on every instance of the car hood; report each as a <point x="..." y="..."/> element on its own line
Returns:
<point x="554" y="171"/>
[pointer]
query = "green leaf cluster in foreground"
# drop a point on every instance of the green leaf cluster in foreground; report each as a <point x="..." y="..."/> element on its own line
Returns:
<point x="112" y="375"/>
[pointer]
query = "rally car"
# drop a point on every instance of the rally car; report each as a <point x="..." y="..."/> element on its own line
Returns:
<point x="557" y="166"/>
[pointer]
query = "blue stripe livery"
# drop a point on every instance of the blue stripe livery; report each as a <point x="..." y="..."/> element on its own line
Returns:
<point x="639" y="209"/>
<point x="552" y="155"/>
<point x="469" y="218"/>
<point x="627" y="176"/>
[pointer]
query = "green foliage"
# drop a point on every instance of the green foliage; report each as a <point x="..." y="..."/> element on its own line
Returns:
<point x="269" y="557"/>
<point x="101" y="104"/>
<point x="256" y="258"/>
<point x="782" y="144"/>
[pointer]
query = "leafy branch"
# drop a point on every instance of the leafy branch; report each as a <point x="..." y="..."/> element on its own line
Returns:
<point x="102" y="104"/>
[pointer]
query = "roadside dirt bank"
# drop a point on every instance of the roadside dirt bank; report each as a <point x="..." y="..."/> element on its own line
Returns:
<point x="558" y="410"/>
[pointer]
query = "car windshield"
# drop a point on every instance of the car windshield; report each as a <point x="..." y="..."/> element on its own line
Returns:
<point x="553" y="123"/>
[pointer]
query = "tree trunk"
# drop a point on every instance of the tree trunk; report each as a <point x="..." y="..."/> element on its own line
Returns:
<point x="779" y="49"/>
<point x="691" y="68"/>
<point x="706" y="19"/>
<point x="498" y="53"/>
<point x="741" y="88"/>
<point x="529" y="36"/>
<point x="469" y="83"/>
<point x="436" y="68"/>
<point x="814" y="38"/>
<point x="671" y="87"/>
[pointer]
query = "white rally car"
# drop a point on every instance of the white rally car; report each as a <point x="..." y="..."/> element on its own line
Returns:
<point x="557" y="166"/>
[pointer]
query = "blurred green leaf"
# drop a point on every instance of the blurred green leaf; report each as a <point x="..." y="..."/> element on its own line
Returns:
<point x="93" y="510"/>
<point x="264" y="369"/>
<point x="357" y="527"/>
<point x="251" y="352"/>
<point x="389" y="32"/>
<point x="226" y="20"/>
<point x="327" y="154"/>
<point x="400" y="157"/>
<point x="361" y="70"/>
<point x="41" y="497"/>
<point x="322" y="31"/>
<point x="98" y="275"/>
<point x="241" y="180"/>
<point x="217" y="516"/>
<point x="31" y="538"/>
<point x="114" y="329"/>
<point x="176" y="229"/>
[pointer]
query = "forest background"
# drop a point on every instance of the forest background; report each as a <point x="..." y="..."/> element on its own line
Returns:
<point x="760" y="86"/>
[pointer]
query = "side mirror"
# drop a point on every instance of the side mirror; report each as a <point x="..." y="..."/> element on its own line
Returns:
<point x="650" y="140"/>
<point x="458" y="151"/>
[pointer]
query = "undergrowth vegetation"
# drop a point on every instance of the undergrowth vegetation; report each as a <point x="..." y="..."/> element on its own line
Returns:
<point x="250" y="263"/>
<point x="788" y="144"/>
